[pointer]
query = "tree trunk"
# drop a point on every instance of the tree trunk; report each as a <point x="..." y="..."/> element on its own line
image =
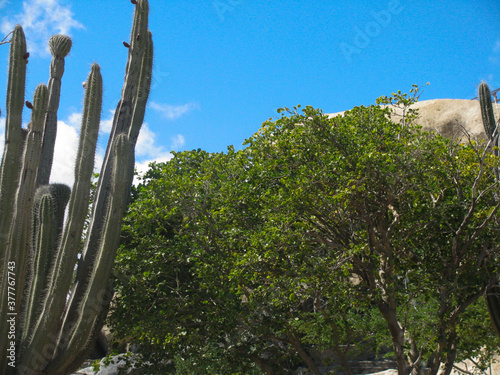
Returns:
<point x="295" y="341"/>
<point x="451" y="355"/>
<point x="340" y="353"/>
<point x="263" y="365"/>
<point x="397" y="335"/>
<point x="344" y="361"/>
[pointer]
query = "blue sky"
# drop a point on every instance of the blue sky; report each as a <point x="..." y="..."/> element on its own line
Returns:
<point x="222" y="67"/>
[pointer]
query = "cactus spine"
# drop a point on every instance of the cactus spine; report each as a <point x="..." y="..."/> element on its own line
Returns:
<point x="53" y="335"/>
<point x="491" y="129"/>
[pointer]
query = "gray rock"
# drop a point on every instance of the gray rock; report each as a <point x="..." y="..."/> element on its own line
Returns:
<point x="113" y="368"/>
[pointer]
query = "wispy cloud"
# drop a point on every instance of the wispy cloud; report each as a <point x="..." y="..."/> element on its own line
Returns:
<point x="40" y="20"/>
<point x="148" y="148"/>
<point x="146" y="141"/>
<point x="178" y="141"/>
<point x="3" y="3"/>
<point x="173" y="112"/>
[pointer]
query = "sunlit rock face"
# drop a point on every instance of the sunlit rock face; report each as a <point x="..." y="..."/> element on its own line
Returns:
<point x="449" y="117"/>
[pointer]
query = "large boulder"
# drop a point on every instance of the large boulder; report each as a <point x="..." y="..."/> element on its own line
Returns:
<point x="449" y="117"/>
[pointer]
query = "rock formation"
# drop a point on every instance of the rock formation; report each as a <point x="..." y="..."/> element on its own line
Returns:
<point x="449" y="117"/>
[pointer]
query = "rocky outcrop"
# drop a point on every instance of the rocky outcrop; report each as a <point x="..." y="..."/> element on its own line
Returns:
<point x="449" y="117"/>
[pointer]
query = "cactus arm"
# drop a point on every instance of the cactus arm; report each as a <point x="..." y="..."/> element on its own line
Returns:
<point x="9" y="169"/>
<point x="48" y="214"/>
<point x="43" y="238"/>
<point x="487" y="110"/>
<point x="60" y="279"/>
<point x="85" y="159"/>
<point x="78" y="206"/>
<point x="59" y="45"/>
<point x="144" y="87"/>
<point x="26" y="186"/>
<point x="13" y="133"/>
<point x="490" y="127"/>
<point x="137" y="45"/>
<point x="124" y="110"/>
<point x="121" y="124"/>
<point x="54" y="334"/>
<point x="97" y="296"/>
<point x="49" y="205"/>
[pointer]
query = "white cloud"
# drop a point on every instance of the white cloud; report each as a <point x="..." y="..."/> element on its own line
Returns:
<point x="75" y="120"/>
<point x="173" y="112"/>
<point x="107" y="124"/>
<point x="65" y="149"/>
<point x="40" y="20"/>
<point x="146" y="143"/>
<point x="64" y="154"/>
<point x="147" y="149"/>
<point x="3" y="3"/>
<point x="146" y="146"/>
<point x="143" y="166"/>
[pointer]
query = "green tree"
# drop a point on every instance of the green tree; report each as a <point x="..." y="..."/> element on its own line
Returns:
<point x="412" y="213"/>
<point x="172" y="270"/>
<point x="309" y="237"/>
<point x="205" y="278"/>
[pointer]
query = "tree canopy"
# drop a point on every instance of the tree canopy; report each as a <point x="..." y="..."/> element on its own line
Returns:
<point x="340" y="233"/>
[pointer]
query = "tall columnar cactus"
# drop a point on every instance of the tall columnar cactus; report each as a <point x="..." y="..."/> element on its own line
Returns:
<point x="59" y="46"/>
<point x="491" y="129"/>
<point x="487" y="113"/>
<point x="493" y="302"/>
<point x="48" y="318"/>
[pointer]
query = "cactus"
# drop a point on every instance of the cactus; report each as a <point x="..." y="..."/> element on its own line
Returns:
<point x="487" y="110"/>
<point x="59" y="46"/>
<point x="490" y="127"/>
<point x="493" y="302"/>
<point x="39" y="245"/>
